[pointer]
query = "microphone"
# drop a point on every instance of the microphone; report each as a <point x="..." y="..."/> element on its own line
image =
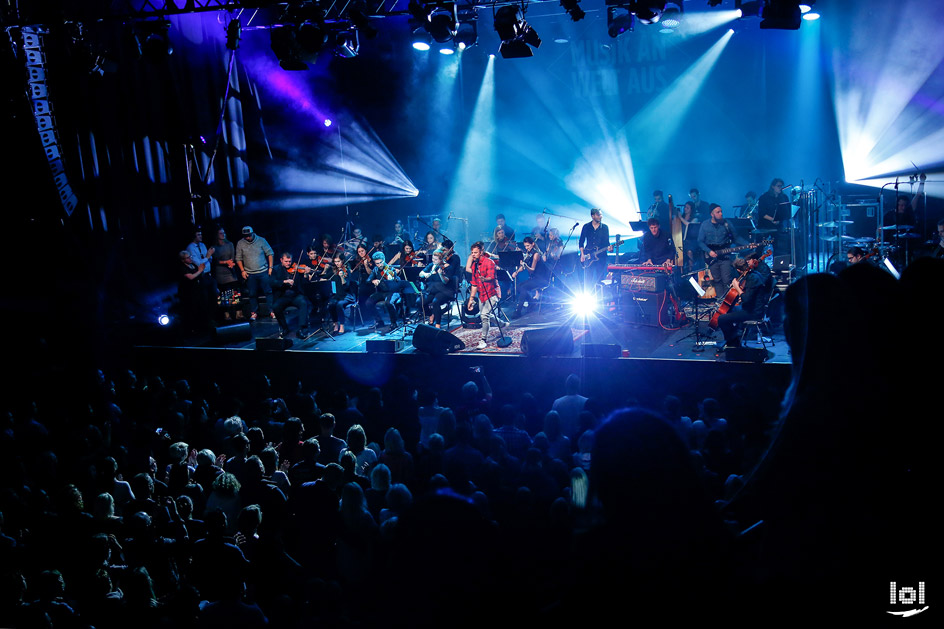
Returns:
<point x="575" y="225"/>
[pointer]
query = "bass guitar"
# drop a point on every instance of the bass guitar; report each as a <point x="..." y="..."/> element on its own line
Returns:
<point x="719" y="251"/>
<point x="595" y="256"/>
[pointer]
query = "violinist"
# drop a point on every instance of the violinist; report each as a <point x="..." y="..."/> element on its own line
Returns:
<point x="383" y="277"/>
<point x="554" y="246"/>
<point x="343" y="294"/>
<point x="429" y="245"/>
<point x="502" y="242"/>
<point x="750" y="292"/>
<point x="440" y="285"/>
<point x="286" y="291"/>
<point x="406" y="256"/>
<point x="537" y="274"/>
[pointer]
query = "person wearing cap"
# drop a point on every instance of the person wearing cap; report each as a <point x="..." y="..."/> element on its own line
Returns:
<point x="254" y="259"/>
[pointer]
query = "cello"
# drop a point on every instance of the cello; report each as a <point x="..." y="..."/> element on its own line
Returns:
<point x="734" y="292"/>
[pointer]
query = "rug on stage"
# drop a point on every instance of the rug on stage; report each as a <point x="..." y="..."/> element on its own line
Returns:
<point x="471" y="338"/>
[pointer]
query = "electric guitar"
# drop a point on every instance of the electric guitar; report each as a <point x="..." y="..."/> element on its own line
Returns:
<point x="727" y="250"/>
<point x="595" y="256"/>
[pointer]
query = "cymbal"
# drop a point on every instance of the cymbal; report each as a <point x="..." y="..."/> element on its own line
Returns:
<point x="901" y="228"/>
<point x="909" y="236"/>
<point x="763" y="231"/>
<point x="836" y="238"/>
<point x="832" y="224"/>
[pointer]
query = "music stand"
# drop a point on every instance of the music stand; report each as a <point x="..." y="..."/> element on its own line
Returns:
<point x="699" y="293"/>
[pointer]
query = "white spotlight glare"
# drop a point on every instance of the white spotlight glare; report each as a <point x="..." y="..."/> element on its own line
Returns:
<point x="809" y="17"/>
<point x="739" y="13"/>
<point x="163" y="320"/>
<point x="462" y="45"/>
<point x="423" y="46"/>
<point x="891" y="269"/>
<point x="805" y="8"/>
<point x="583" y="304"/>
<point x="327" y="122"/>
<point x="446" y="51"/>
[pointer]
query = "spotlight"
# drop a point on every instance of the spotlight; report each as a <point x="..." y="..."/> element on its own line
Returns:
<point x="447" y="51"/>
<point x="347" y="44"/>
<point x="583" y="304"/>
<point x="286" y="49"/>
<point x="359" y="19"/>
<point x="572" y="7"/>
<point x="421" y="39"/>
<point x="812" y="15"/>
<point x="516" y="34"/>
<point x="618" y="20"/>
<point x="752" y="8"/>
<point x="233" y="33"/>
<point x="468" y="34"/>
<point x="648" y="11"/>
<point x="163" y="320"/>
<point x="327" y="122"/>
<point x="805" y="8"/>
<point x="153" y="40"/>
<point x="439" y="19"/>
<point x="672" y="15"/>
<point x="781" y="15"/>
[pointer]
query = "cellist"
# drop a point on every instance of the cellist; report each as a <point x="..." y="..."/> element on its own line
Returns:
<point x="751" y="291"/>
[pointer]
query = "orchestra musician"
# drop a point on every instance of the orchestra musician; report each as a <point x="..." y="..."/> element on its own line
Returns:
<point x="702" y="208"/>
<point x="502" y="242"/>
<point x="717" y="233"/>
<point x="384" y="278"/>
<point x="399" y="235"/>
<point x="344" y="293"/>
<point x="773" y="207"/>
<point x="750" y="206"/>
<point x="436" y="224"/>
<point x="286" y="291"/>
<point x="690" y="225"/>
<point x="855" y="255"/>
<point x="554" y="246"/>
<point x="361" y="267"/>
<point x="658" y="208"/>
<point x="594" y="237"/>
<point x="440" y="277"/>
<point x="657" y="246"/>
<point x="430" y="244"/>
<point x="753" y="292"/>
<point x="484" y="286"/>
<point x="533" y="263"/>
<point x="500" y="222"/>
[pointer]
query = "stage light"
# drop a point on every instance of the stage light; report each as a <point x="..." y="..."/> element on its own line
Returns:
<point x="347" y="44"/>
<point x="439" y="19"/>
<point x="467" y="34"/>
<point x="233" y="34"/>
<point x="286" y="49"/>
<point x="618" y="20"/>
<point x="163" y="320"/>
<point x="583" y="304"/>
<point x="805" y="8"/>
<point x="327" y="122"/>
<point x="421" y="39"/>
<point x="752" y="8"/>
<point x="648" y="11"/>
<point x="518" y="37"/>
<point x="446" y="51"/>
<point x="152" y="39"/>
<point x="811" y="16"/>
<point x="360" y="20"/>
<point x="572" y="7"/>
<point x="781" y="15"/>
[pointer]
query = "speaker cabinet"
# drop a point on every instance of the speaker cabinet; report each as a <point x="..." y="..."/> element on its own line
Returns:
<point x="434" y="341"/>
<point x="557" y="341"/>
<point x="643" y="308"/>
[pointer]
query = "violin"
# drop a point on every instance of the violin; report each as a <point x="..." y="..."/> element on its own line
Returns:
<point x="298" y="268"/>
<point x="408" y="259"/>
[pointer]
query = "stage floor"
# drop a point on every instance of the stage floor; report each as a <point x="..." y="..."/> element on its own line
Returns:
<point x="634" y="340"/>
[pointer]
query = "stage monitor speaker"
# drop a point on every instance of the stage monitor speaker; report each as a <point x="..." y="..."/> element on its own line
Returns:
<point x="274" y="344"/>
<point x="601" y="350"/>
<point x="233" y="333"/>
<point x="384" y="346"/>
<point x="745" y="355"/>
<point x="434" y="341"/>
<point x="556" y="341"/>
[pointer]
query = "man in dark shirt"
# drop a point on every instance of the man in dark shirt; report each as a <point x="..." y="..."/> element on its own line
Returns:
<point x="656" y="245"/>
<point x="594" y="238"/>
<point x="658" y="208"/>
<point x="773" y="207"/>
<point x="753" y="291"/>
<point x="702" y="208"/>
<point x="286" y="292"/>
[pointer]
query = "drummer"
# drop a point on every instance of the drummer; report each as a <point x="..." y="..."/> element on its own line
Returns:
<point x="855" y="255"/>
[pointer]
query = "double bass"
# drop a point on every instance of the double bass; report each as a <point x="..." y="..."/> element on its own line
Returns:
<point x="677" y="236"/>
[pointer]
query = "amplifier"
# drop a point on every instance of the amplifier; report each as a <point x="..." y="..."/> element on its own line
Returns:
<point x="650" y="283"/>
<point x="644" y="308"/>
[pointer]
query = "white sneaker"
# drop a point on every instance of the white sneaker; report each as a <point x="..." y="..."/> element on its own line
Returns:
<point x="482" y="344"/>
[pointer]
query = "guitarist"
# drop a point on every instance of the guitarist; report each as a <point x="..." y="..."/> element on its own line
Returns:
<point x="594" y="237"/>
<point x="714" y="234"/>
